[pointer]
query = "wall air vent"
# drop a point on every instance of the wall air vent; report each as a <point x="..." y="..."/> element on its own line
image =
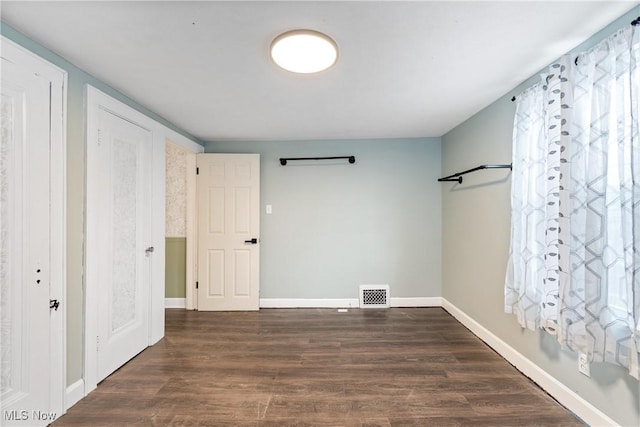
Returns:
<point x="374" y="296"/>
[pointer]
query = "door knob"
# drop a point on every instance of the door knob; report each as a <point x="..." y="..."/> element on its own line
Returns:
<point x="252" y="241"/>
<point x="149" y="250"/>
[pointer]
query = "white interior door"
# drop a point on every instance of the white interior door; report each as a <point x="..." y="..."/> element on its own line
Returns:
<point x="228" y="231"/>
<point x="124" y="152"/>
<point x="31" y="390"/>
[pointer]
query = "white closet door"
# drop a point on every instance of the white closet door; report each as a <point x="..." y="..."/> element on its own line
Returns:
<point x="29" y="345"/>
<point x="124" y="151"/>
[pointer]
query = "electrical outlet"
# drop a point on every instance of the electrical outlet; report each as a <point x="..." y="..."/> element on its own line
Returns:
<point x="583" y="364"/>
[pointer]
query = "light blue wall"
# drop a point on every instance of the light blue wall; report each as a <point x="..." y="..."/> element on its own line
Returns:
<point x="335" y="225"/>
<point x="476" y="227"/>
<point x="76" y="86"/>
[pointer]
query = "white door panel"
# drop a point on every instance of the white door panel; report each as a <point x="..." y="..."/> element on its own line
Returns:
<point x="29" y="393"/>
<point x="124" y="187"/>
<point x="228" y="219"/>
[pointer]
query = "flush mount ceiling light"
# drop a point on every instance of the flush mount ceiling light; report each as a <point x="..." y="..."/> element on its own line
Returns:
<point x="304" y="51"/>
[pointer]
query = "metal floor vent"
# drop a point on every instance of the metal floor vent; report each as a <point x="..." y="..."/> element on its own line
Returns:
<point x="374" y="296"/>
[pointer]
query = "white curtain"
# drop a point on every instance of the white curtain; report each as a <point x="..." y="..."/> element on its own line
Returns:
<point x="574" y="263"/>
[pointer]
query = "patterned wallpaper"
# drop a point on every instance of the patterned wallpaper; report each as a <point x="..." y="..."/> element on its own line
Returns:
<point x="176" y="192"/>
<point x="125" y="207"/>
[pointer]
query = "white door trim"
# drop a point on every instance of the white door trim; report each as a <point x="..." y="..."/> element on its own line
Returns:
<point x="58" y="213"/>
<point x="95" y="101"/>
<point x="58" y="173"/>
<point x="192" y="233"/>
<point x="191" y="245"/>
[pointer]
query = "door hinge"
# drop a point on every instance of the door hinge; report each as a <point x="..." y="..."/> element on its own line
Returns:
<point x="99" y="136"/>
<point x="197" y="171"/>
<point x="97" y="342"/>
<point x="196" y="285"/>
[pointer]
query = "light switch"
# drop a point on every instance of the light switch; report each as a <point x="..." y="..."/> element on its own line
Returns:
<point x="269" y="210"/>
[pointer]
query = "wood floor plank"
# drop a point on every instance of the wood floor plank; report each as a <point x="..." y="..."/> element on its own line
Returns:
<point x="317" y="367"/>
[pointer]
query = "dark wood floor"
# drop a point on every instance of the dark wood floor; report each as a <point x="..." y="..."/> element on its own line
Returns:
<point x="317" y="367"/>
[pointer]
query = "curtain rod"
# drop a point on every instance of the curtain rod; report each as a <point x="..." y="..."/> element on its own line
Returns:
<point x="635" y="22"/>
<point x="458" y="176"/>
<point x="284" y="160"/>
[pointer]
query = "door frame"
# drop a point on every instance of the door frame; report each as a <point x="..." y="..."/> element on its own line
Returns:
<point x="192" y="148"/>
<point x="97" y="100"/>
<point x="58" y="213"/>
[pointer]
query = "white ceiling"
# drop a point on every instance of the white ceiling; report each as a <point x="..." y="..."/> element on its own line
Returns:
<point x="406" y="69"/>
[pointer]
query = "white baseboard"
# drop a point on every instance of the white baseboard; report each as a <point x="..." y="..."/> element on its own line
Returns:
<point x="309" y="303"/>
<point x="345" y="302"/>
<point x="416" y="302"/>
<point x="563" y="394"/>
<point x="75" y="392"/>
<point x="174" y="303"/>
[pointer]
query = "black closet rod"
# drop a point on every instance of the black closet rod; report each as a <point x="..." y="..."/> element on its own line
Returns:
<point x="458" y="176"/>
<point x="283" y="161"/>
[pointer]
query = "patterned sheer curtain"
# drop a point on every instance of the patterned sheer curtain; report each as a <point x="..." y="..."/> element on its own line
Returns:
<point x="574" y="262"/>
